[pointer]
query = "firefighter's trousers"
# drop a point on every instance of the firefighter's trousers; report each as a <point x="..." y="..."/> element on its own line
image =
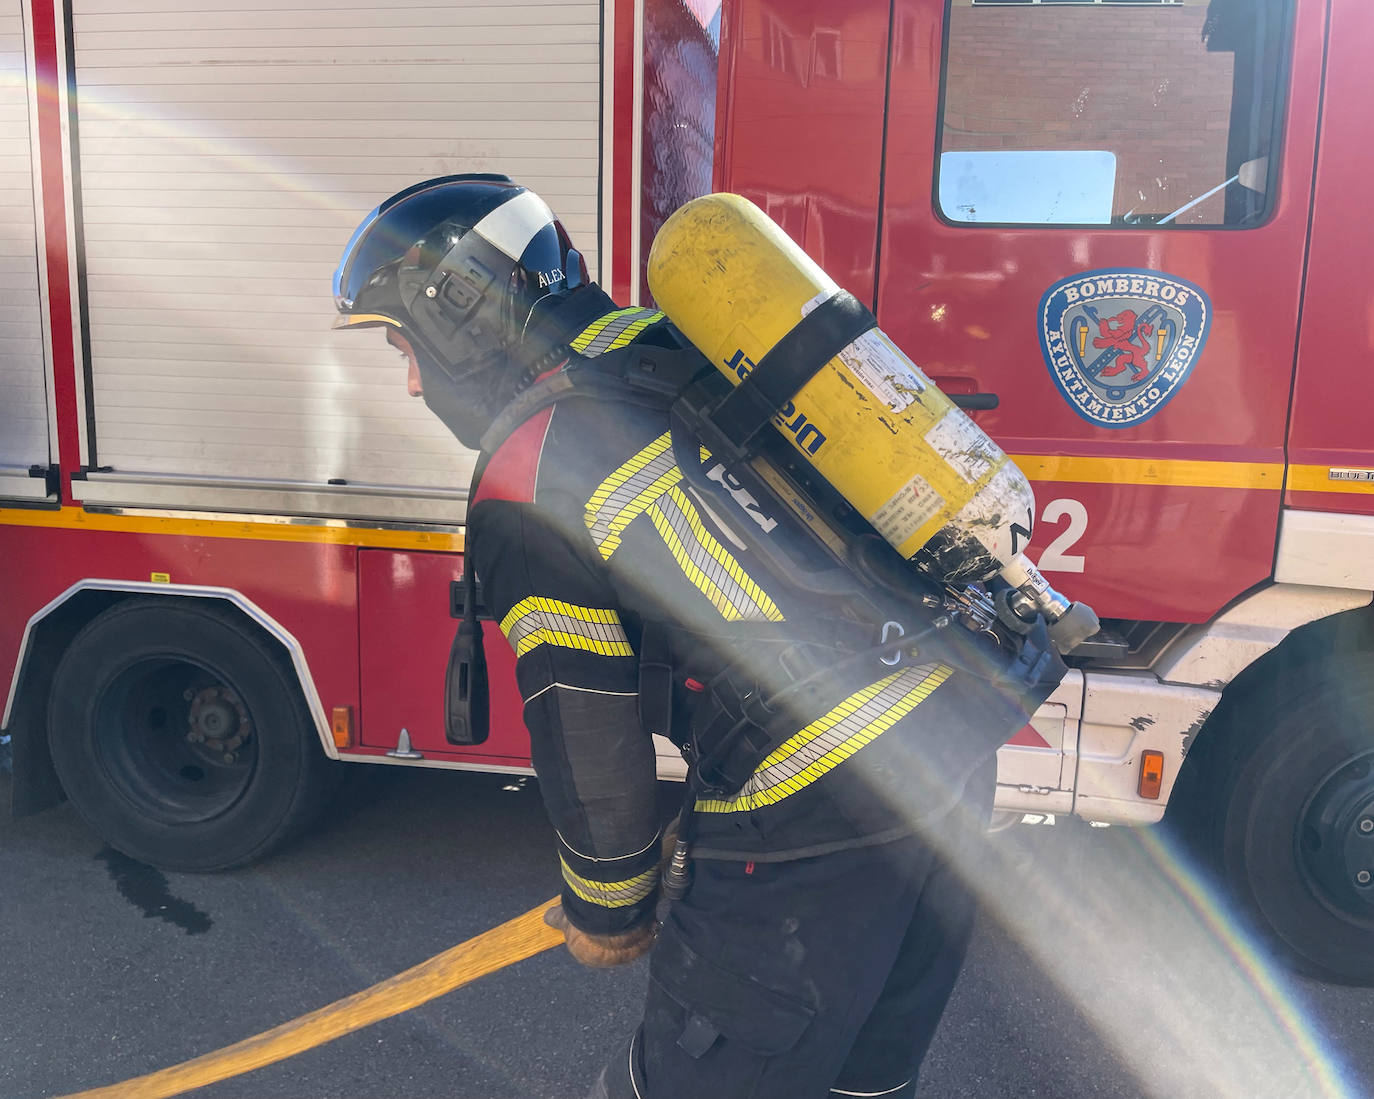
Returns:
<point x="810" y="978"/>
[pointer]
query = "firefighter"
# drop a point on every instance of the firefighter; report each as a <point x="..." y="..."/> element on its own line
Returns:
<point x="826" y="916"/>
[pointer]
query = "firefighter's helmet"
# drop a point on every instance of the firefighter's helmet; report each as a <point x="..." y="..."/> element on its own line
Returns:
<point x="464" y="266"/>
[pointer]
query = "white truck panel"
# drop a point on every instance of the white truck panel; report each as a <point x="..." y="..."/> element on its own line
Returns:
<point x="1125" y="714"/>
<point x="1040" y="778"/>
<point x="1212" y="654"/>
<point x="1326" y="549"/>
<point x="23" y="377"/>
<point x="225" y="156"/>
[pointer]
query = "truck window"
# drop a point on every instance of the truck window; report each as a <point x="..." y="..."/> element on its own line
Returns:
<point x="1110" y="112"/>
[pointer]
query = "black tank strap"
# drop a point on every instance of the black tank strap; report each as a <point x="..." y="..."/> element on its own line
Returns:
<point x="645" y="375"/>
<point x="792" y="362"/>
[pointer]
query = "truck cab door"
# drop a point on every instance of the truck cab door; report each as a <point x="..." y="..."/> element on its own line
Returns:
<point x="1331" y="443"/>
<point x="1098" y="213"/>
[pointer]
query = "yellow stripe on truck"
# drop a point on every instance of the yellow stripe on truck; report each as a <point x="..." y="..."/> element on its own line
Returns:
<point x="325" y="531"/>
<point x="1043" y="468"/>
<point x="1319" y="479"/>
<point x="1173" y="472"/>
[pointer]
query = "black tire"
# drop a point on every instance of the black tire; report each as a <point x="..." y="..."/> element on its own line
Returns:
<point x="180" y="734"/>
<point x="1292" y="836"/>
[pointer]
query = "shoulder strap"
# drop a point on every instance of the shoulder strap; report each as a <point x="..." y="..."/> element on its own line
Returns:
<point x="648" y="376"/>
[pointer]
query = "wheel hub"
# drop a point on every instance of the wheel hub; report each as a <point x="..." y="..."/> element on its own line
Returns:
<point x="1336" y="838"/>
<point x="218" y="722"/>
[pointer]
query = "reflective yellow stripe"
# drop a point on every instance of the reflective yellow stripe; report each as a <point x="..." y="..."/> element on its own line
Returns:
<point x="731" y="591"/>
<point x="726" y="559"/>
<point x="633" y="329"/>
<point x="585" y="337"/>
<point x="727" y="610"/>
<point x="1150" y="471"/>
<point x="536" y="621"/>
<point x="647" y="484"/>
<point x="611" y="894"/>
<point x="334" y="532"/>
<point x="635" y="508"/>
<point x="614" y="330"/>
<point x="626" y="481"/>
<point x="1318" y="479"/>
<point x="830" y="740"/>
<point x="624" y="472"/>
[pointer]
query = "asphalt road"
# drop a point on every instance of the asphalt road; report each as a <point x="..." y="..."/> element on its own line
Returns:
<point x="1100" y="968"/>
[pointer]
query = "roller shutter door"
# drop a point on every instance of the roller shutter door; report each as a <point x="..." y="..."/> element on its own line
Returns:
<point x="23" y="392"/>
<point x="226" y="154"/>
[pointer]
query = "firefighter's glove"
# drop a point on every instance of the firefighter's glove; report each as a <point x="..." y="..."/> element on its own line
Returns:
<point x="602" y="951"/>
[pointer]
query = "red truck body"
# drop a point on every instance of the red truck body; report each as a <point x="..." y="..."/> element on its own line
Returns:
<point x="1206" y="528"/>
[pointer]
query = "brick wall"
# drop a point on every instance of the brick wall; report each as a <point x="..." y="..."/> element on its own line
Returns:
<point x="1137" y="81"/>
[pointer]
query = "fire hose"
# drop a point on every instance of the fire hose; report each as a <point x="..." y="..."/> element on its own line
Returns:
<point x="504" y="945"/>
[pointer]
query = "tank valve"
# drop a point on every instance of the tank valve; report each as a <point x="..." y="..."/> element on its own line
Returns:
<point x="678" y="876"/>
<point x="1070" y="623"/>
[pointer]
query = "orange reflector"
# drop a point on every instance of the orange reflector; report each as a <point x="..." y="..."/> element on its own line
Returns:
<point x="1151" y="774"/>
<point x="342" y="721"/>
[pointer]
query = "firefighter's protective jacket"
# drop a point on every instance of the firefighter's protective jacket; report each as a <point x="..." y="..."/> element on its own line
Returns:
<point x="585" y="537"/>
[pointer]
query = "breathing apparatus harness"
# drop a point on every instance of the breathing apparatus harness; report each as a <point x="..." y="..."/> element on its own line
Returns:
<point x="739" y="721"/>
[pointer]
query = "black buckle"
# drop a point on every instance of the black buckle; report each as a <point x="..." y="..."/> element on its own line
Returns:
<point x="736" y="738"/>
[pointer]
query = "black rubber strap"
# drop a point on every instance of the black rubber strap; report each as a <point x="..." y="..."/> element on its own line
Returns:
<point x="648" y="376"/>
<point x="466" y="705"/>
<point x="793" y="361"/>
<point x="655" y="679"/>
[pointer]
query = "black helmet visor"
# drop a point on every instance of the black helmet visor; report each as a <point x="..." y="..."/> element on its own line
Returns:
<point x="388" y="232"/>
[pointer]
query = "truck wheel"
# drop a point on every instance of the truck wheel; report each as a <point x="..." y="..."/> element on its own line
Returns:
<point x="181" y="737"/>
<point x="1294" y="831"/>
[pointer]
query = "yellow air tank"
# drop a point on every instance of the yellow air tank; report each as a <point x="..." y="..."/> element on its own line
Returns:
<point x="923" y="474"/>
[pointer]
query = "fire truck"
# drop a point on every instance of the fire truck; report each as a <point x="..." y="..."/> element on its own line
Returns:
<point x="1125" y="236"/>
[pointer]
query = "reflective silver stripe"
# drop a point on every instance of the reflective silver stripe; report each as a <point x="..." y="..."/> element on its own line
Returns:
<point x="633" y="1039"/>
<point x="610" y="894"/>
<point x="537" y="621"/>
<point x="583" y="690"/>
<point x="513" y="224"/>
<point x="870" y="1094"/>
<point x="717" y="568"/>
<point x="614" y="330"/>
<point x="830" y="740"/>
<point x="629" y="491"/>
<point x="615" y="858"/>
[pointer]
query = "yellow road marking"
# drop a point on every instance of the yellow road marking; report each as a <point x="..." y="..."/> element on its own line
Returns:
<point x="75" y="518"/>
<point x="510" y="942"/>
<point x="1318" y="479"/>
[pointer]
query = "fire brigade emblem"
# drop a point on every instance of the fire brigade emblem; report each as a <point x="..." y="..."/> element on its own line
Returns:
<point x="1121" y="342"/>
